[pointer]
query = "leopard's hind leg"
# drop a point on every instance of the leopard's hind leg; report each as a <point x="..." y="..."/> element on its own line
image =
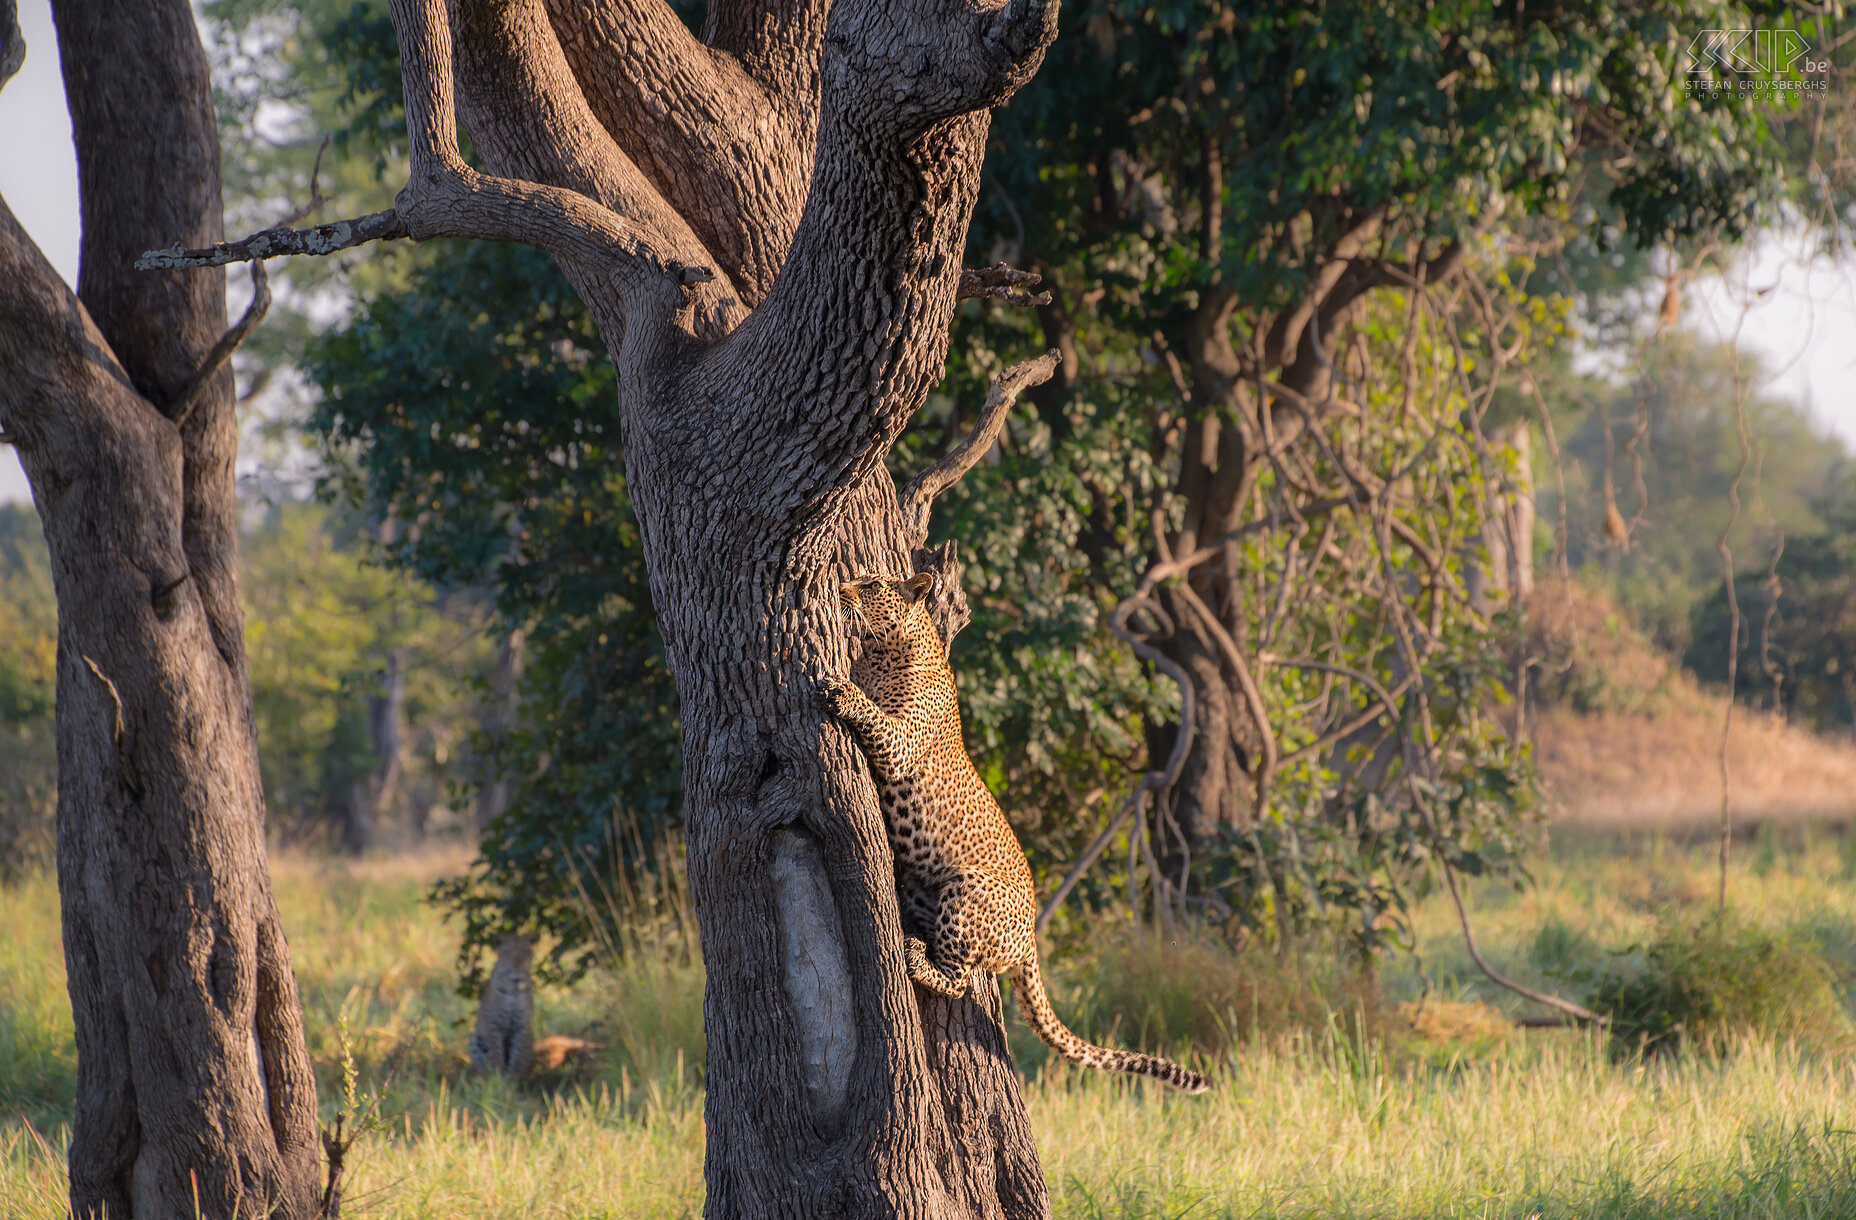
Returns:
<point x="975" y="920"/>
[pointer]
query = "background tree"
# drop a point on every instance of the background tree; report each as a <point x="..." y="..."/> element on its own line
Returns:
<point x="1232" y="206"/>
<point x="193" y="1079"/>
<point x="1798" y="645"/>
<point x="332" y="636"/>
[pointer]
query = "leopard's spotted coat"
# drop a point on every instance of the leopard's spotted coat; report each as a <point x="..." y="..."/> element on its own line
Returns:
<point x="965" y="889"/>
<point x="504" y="1040"/>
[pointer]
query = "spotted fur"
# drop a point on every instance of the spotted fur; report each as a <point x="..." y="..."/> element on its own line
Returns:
<point x="966" y="893"/>
<point x="504" y="1040"/>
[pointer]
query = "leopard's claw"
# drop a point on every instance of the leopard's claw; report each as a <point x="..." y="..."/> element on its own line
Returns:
<point x="836" y="694"/>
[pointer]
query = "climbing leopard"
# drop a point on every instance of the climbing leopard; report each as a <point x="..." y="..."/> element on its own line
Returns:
<point x="965" y="890"/>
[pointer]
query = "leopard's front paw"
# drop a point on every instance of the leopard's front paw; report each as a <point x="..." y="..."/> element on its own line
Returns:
<point x="838" y="696"/>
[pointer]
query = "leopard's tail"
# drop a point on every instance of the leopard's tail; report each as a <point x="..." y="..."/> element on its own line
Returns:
<point x="1028" y="987"/>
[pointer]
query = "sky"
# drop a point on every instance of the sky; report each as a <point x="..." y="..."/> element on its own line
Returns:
<point x="1799" y="317"/>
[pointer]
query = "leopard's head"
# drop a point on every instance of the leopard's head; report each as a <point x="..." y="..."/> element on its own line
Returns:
<point x="881" y="609"/>
<point x="517" y="949"/>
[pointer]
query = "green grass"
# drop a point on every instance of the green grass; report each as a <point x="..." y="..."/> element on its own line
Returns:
<point x="1334" y="1100"/>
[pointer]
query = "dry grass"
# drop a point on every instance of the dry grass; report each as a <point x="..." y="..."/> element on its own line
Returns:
<point x="1332" y="1104"/>
<point x="1615" y="769"/>
<point x="1629" y="739"/>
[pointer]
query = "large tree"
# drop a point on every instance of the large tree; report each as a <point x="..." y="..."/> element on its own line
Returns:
<point x="194" y="1082"/>
<point x="766" y="225"/>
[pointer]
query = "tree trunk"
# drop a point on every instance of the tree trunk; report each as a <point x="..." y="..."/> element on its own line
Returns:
<point x="193" y="1078"/>
<point x="374" y="798"/>
<point x="1507" y="533"/>
<point x="500" y="717"/>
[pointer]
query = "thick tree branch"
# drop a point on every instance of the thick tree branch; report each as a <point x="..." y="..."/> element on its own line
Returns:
<point x="530" y="120"/>
<point x="871" y="276"/>
<point x="918" y="497"/>
<point x="1285" y="336"/>
<point x="777" y="41"/>
<point x="12" y="41"/>
<point x="732" y="153"/>
<point x="48" y="344"/>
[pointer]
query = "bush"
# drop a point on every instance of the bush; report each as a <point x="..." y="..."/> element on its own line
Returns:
<point x="1700" y="984"/>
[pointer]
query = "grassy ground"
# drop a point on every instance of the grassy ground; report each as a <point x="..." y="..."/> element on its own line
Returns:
<point x="1334" y="1100"/>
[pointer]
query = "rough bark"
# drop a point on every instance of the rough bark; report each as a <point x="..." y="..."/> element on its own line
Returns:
<point x="192" y="1070"/>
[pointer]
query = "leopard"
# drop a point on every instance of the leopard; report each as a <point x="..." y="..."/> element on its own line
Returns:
<point x="965" y="890"/>
<point x="504" y="1040"/>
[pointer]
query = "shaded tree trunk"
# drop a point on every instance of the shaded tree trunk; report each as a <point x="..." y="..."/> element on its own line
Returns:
<point x="193" y="1077"/>
<point x="1235" y="395"/>
<point x="1507" y="533"/>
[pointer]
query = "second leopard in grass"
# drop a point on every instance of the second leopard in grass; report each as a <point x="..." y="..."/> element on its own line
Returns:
<point x="966" y="892"/>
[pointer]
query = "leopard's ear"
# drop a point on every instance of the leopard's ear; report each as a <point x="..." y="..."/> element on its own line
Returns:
<point x="919" y="586"/>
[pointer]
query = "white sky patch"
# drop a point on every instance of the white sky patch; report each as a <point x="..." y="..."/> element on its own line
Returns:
<point x="1798" y="313"/>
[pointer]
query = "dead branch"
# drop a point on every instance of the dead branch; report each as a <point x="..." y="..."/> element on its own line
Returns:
<point x="228" y="343"/>
<point x="1576" y="1011"/>
<point x="1384" y="702"/>
<point x="1152" y="782"/>
<point x="274" y="243"/>
<point x="316" y="198"/>
<point x="918" y="496"/>
<point x="1180" y="564"/>
<point x="1001" y="282"/>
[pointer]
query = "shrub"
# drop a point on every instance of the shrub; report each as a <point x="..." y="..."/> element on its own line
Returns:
<point x="1195" y="995"/>
<point x="1699" y="984"/>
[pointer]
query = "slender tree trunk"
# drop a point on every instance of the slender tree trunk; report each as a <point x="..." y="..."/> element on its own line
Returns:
<point x="374" y="798"/>
<point x="500" y="717"/>
<point x="193" y="1078"/>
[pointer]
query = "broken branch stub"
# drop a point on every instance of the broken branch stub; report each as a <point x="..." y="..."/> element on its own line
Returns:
<point x="1000" y="282"/>
<point x="918" y="496"/>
